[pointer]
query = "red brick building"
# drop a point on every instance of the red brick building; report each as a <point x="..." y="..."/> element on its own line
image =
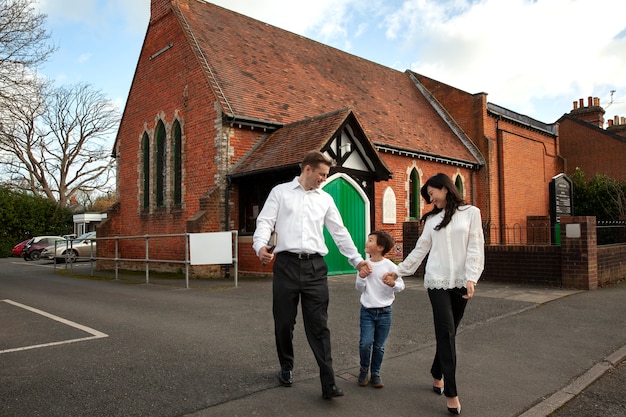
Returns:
<point x="585" y="144"/>
<point x="222" y="107"/>
<point x="522" y="156"/>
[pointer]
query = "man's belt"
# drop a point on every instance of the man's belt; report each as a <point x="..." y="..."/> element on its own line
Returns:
<point x="301" y="255"/>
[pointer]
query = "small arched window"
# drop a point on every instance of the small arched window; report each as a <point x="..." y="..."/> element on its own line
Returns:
<point x="414" y="195"/>
<point x="145" y="149"/>
<point x="160" y="165"/>
<point x="178" y="164"/>
<point x="459" y="184"/>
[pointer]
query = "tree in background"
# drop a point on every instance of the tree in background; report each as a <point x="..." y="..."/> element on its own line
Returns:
<point x="24" y="45"/>
<point x="103" y="203"/>
<point x="54" y="141"/>
<point x="93" y="202"/>
<point x="54" y="144"/>
<point x="601" y="196"/>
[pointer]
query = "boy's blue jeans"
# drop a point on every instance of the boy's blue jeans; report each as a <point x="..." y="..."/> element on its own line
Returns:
<point x="375" y="327"/>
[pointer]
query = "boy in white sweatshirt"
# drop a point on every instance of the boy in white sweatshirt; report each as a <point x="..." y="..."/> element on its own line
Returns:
<point x="377" y="295"/>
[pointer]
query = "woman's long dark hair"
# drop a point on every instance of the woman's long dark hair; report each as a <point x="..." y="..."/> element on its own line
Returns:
<point x="453" y="198"/>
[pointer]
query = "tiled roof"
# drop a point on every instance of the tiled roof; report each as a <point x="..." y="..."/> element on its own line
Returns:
<point x="269" y="74"/>
<point x="288" y="145"/>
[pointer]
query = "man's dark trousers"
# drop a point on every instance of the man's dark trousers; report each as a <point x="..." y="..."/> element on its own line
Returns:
<point x="306" y="280"/>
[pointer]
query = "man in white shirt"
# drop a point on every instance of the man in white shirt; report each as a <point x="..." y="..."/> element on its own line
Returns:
<point x="298" y="211"/>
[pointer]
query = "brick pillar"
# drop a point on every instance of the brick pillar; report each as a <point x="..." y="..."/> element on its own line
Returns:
<point x="579" y="252"/>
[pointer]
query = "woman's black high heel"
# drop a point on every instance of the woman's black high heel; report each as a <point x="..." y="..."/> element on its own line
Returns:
<point x="438" y="390"/>
<point x="454" y="410"/>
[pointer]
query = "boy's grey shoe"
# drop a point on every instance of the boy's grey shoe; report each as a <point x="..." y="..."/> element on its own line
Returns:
<point x="377" y="381"/>
<point x="363" y="379"/>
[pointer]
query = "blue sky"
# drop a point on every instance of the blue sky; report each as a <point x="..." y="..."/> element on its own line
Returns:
<point x="534" y="57"/>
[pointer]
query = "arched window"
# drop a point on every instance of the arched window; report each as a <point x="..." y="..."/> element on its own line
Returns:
<point x="414" y="195"/>
<point x="178" y="164"/>
<point x="160" y="165"/>
<point x="145" y="149"/>
<point x="459" y="184"/>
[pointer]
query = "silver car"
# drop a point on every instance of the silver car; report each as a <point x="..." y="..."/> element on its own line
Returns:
<point x="81" y="247"/>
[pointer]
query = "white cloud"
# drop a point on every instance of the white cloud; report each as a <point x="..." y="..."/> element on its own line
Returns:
<point x="518" y="51"/>
<point x="527" y="55"/>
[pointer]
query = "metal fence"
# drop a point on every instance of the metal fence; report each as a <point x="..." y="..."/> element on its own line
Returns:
<point x="611" y="232"/>
<point x="520" y="234"/>
<point x="142" y="253"/>
<point x="608" y="233"/>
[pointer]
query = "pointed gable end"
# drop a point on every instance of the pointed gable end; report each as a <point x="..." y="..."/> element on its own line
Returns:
<point x="338" y="134"/>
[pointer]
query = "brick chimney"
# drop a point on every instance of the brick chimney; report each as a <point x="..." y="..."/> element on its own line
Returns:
<point x="159" y="8"/>
<point x="593" y="113"/>
<point x="617" y="125"/>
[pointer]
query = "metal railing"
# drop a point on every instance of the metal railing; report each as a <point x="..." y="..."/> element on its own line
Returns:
<point x="518" y="234"/>
<point x="611" y="232"/>
<point x="608" y="233"/>
<point x="147" y="260"/>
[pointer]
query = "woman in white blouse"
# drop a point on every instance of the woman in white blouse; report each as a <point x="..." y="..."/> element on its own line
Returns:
<point x="453" y="239"/>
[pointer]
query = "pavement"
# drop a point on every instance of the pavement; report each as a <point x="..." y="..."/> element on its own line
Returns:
<point x="527" y="362"/>
<point x="522" y="350"/>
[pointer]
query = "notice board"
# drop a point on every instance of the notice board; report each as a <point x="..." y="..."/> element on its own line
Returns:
<point x="211" y="248"/>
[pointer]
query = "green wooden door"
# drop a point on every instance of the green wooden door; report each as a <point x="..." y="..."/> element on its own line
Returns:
<point x="353" y="208"/>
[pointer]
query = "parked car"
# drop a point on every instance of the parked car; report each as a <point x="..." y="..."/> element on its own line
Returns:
<point x="32" y="249"/>
<point x="17" y="249"/>
<point x="69" y="251"/>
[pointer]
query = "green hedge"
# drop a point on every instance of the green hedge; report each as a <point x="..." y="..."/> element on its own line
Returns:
<point x="23" y="216"/>
<point x="599" y="196"/>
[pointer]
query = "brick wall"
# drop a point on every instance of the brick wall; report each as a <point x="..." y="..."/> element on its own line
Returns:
<point x="577" y="263"/>
<point x="611" y="264"/>
<point x="521" y="161"/>
<point x="169" y="86"/>
<point x="533" y="264"/>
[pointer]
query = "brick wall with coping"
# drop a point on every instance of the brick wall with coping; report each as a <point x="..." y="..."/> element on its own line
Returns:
<point x="578" y="263"/>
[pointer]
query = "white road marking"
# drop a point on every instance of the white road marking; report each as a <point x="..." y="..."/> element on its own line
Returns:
<point x="95" y="334"/>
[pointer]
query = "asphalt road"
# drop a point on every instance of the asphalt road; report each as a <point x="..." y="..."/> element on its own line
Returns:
<point x="167" y="351"/>
<point x="76" y="346"/>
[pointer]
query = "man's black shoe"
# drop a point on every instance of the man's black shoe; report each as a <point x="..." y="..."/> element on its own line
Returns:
<point x="285" y="378"/>
<point x="330" y="391"/>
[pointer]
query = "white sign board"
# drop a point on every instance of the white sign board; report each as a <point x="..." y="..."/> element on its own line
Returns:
<point x="211" y="248"/>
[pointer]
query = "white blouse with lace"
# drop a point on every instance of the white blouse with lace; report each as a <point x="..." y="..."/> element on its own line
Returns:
<point x="456" y="253"/>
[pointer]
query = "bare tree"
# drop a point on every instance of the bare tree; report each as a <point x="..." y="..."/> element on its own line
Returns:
<point x="23" y="46"/>
<point x="57" y="143"/>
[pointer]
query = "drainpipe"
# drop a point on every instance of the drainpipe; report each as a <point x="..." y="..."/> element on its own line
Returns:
<point x="501" y="210"/>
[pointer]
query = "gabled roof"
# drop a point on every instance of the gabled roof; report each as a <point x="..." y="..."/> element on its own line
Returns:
<point x="287" y="146"/>
<point x="260" y="72"/>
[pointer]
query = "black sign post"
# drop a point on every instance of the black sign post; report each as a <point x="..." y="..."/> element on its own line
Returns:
<point x="561" y="203"/>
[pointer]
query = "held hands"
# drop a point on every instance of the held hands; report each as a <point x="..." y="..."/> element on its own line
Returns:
<point x="364" y="268"/>
<point x="390" y="278"/>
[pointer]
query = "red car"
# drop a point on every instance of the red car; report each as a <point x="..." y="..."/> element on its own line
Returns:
<point x="17" y="249"/>
<point x="33" y="248"/>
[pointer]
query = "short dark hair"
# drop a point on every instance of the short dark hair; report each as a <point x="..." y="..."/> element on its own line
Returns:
<point x="383" y="239"/>
<point x="315" y="158"/>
